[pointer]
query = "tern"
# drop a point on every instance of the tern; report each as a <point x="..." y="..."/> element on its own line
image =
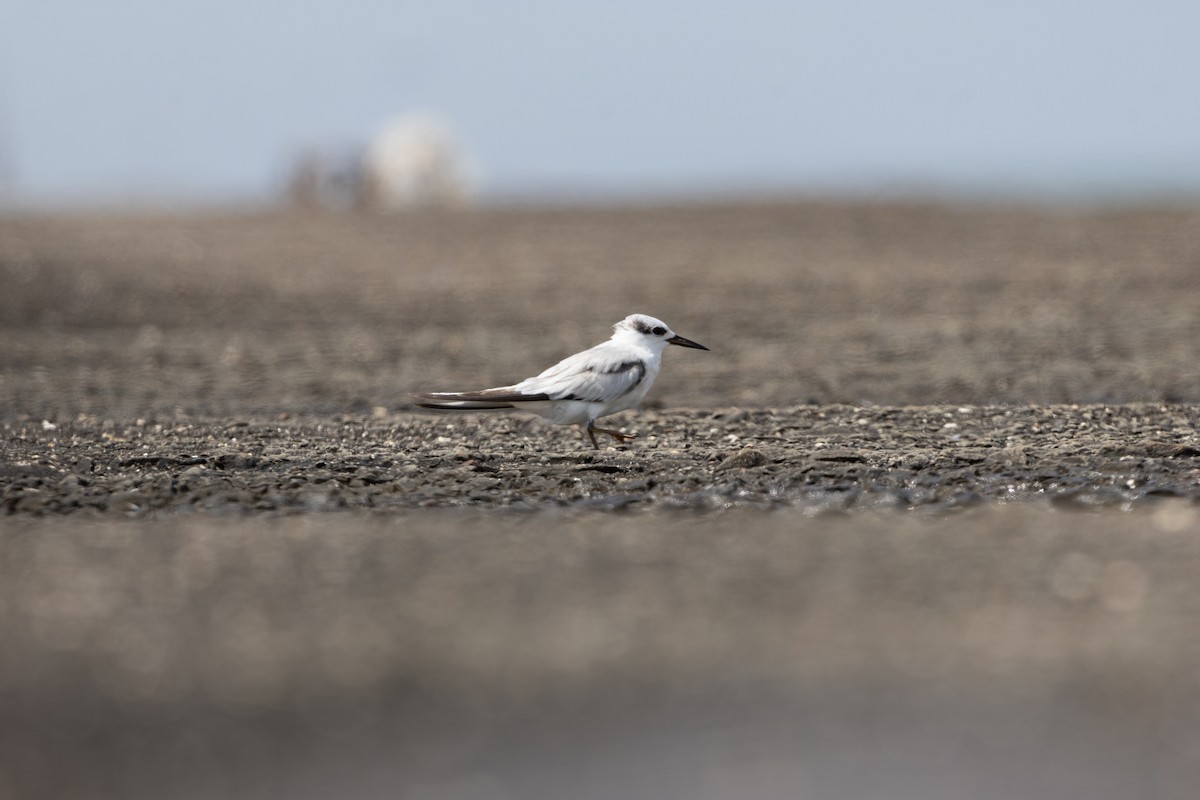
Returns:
<point x="610" y="377"/>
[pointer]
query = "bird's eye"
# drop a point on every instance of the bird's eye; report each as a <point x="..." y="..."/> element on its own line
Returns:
<point x="659" y="330"/>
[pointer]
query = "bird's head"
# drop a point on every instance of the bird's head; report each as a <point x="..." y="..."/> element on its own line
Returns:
<point x="650" y="332"/>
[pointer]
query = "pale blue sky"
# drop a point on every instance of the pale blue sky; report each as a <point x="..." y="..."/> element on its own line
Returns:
<point x="136" y="97"/>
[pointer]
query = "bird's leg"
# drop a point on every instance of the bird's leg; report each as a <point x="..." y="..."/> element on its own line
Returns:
<point x="622" y="438"/>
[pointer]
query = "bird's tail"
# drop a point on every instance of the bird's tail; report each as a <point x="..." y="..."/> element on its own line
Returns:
<point x="427" y="401"/>
<point x="474" y="401"/>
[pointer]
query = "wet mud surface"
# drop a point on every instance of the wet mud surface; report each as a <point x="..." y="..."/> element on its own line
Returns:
<point x="816" y="459"/>
<point x="924" y="523"/>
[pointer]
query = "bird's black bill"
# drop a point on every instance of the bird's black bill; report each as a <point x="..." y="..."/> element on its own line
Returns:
<point x="682" y="342"/>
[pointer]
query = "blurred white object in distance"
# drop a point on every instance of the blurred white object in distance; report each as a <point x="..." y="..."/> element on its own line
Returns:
<point x="416" y="161"/>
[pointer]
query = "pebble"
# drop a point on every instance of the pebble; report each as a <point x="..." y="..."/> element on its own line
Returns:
<point x="745" y="458"/>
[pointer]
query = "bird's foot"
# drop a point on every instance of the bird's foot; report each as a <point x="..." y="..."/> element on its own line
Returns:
<point x="621" y="438"/>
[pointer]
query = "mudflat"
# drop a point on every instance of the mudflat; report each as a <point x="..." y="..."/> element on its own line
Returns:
<point x="902" y="354"/>
<point x="922" y="523"/>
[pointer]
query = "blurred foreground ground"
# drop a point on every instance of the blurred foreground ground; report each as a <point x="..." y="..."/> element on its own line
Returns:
<point x="1001" y="652"/>
<point x="924" y="523"/>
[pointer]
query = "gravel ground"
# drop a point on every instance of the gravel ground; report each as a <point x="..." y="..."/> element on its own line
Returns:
<point x="922" y="524"/>
<point x="815" y="458"/>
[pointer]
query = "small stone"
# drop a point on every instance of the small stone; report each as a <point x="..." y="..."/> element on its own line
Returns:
<point x="30" y="503"/>
<point x="125" y="500"/>
<point x="745" y="458"/>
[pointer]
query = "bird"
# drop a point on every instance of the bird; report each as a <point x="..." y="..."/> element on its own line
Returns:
<point x="612" y="376"/>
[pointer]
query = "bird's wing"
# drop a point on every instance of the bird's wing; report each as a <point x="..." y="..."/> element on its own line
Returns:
<point x="599" y="375"/>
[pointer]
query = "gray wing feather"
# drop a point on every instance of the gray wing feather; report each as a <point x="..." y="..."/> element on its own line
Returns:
<point x="599" y="375"/>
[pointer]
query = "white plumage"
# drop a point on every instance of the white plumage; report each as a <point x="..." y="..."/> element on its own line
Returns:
<point x="610" y="377"/>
